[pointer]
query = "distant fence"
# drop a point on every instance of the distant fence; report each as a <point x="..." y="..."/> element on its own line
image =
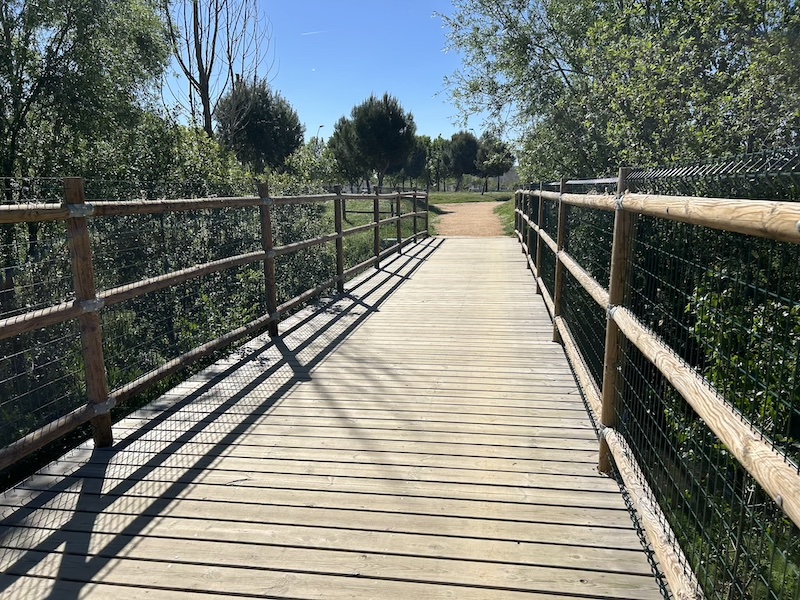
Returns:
<point x="681" y="318"/>
<point x="102" y="300"/>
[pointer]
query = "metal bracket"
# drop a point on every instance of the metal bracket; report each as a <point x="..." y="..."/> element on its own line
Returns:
<point x="103" y="408"/>
<point x="270" y="253"/>
<point x="619" y="201"/>
<point x="797" y="226"/>
<point x="267" y="202"/>
<point x="78" y="211"/>
<point x="610" y="312"/>
<point x="92" y="305"/>
<point x="276" y="316"/>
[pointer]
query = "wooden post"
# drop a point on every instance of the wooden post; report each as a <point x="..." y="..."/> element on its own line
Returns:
<point x="376" y="238"/>
<point x="427" y="213"/>
<point x="414" y="207"/>
<point x="529" y="231"/>
<point x="399" y="223"/>
<point x="80" y="254"/>
<point x="561" y="237"/>
<point x="539" y="240"/>
<point x="621" y="246"/>
<point x="267" y="245"/>
<point x="517" y="206"/>
<point x="338" y="212"/>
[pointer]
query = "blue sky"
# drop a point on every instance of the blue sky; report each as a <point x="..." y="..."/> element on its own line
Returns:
<point x="330" y="55"/>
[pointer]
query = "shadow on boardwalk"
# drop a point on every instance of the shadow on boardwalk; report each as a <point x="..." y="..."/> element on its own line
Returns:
<point x="59" y="523"/>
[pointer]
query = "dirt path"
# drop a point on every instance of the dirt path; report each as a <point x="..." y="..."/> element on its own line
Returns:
<point x="472" y="219"/>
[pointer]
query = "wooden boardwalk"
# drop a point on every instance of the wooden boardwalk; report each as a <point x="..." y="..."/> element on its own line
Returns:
<point x="420" y="438"/>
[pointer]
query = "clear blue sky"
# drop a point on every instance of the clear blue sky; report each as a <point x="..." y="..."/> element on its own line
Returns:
<point x="332" y="54"/>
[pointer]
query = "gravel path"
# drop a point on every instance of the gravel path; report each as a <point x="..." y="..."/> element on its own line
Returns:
<point x="472" y="219"/>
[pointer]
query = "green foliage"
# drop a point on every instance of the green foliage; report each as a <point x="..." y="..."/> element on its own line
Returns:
<point x="258" y="125"/>
<point x="494" y="158"/>
<point x="597" y="84"/>
<point x="463" y="154"/>
<point x="506" y="213"/>
<point x="70" y="73"/>
<point x="379" y="137"/>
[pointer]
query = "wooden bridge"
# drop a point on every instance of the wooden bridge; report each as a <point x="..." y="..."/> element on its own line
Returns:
<point x="419" y="433"/>
<point x="421" y="436"/>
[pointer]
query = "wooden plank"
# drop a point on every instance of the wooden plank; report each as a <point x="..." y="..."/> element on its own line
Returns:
<point x="340" y="461"/>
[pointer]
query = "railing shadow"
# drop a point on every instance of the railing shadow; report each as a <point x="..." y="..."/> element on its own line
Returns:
<point x="58" y="533"/>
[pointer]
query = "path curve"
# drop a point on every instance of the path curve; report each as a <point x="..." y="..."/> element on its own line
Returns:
<point x="472" y="219"/>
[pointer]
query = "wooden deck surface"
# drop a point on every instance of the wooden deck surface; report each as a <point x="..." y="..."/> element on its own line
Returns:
<point x="420" y="438"/>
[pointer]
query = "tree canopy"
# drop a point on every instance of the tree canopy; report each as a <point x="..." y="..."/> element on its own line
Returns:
<point x="71" y="71"/>
<point x="379" y="135"/>
<point x="596" y="84"/>
<point x="259" y="125"/>
<point x="494" y="158"/>
<point x="462" y="152"/>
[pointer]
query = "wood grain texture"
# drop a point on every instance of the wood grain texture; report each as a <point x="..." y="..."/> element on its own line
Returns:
<point x="778" y="478"/>
<point x="682" y="582"/>
<point x="344" y="461"/>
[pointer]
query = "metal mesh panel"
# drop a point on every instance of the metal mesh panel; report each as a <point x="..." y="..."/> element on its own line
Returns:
<point x="590" y="233"/>
<point x="729" y="305"/>
<point x="773" y="175"/>
<point x="141" y="334"/>
<point x="41" y="377"/>
<point x="734" y="537"/>
<point x="550" y="225"/>
<point x="587" y="323"/>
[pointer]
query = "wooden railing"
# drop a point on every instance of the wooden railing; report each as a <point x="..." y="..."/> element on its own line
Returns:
<point x="89" y="302"/>
<point x="777" y="475"/>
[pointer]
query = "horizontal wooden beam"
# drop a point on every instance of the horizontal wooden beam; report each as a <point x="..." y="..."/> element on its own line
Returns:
<point x="160" y="282"/>
<point x="589" y="283"/>
<point x="761" y="218"/>
<point x="305" y="244"/>
<point x="778" y="477"/>
<point x="148" y="379"/>
<point x="606" y="202"/>
<point x="673" y="563"/>
<point x="39" y="212"/>
<point x="44" y="435"/>
<point x="40" y="318"/>
<point x="590" y="389"/>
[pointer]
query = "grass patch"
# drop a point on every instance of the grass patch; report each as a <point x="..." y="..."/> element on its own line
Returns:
<point x="506" y="213"/>
<point x="462" y="197"/>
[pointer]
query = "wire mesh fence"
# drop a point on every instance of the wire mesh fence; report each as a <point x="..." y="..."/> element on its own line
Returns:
<point x="42" y="372"/>
<point x="727" y="305"/>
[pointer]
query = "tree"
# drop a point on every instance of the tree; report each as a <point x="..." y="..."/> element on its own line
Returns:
<point x="350" y="163"/>
<point x="71" y="70"/>
<point x="598" y="84"/>
<point x="259" y="125"/>
<point x="384" y="134"/>
<point x="216" y="44"/>
<point x="414" y="166"/>
<point x="493" y="160"/>
<point x="438" y="165"/>
<point x="463" y="152"/>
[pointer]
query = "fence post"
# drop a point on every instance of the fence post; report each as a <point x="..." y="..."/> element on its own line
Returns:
<point x="624" y="224"/>
<point x="517" y="206"/>
<point x="267" y="245"/>
<point x="539" y="241"/>
<point x="561" y="240"/>
<point x="399" y="222"/>
<point x="414" y="209"/>
<point x="376" y="238"/>
<point x="80" y="255"/>
<point x="529" y="231"/>
<point x="427" y="213"/>
<point x="338" y="212"/>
